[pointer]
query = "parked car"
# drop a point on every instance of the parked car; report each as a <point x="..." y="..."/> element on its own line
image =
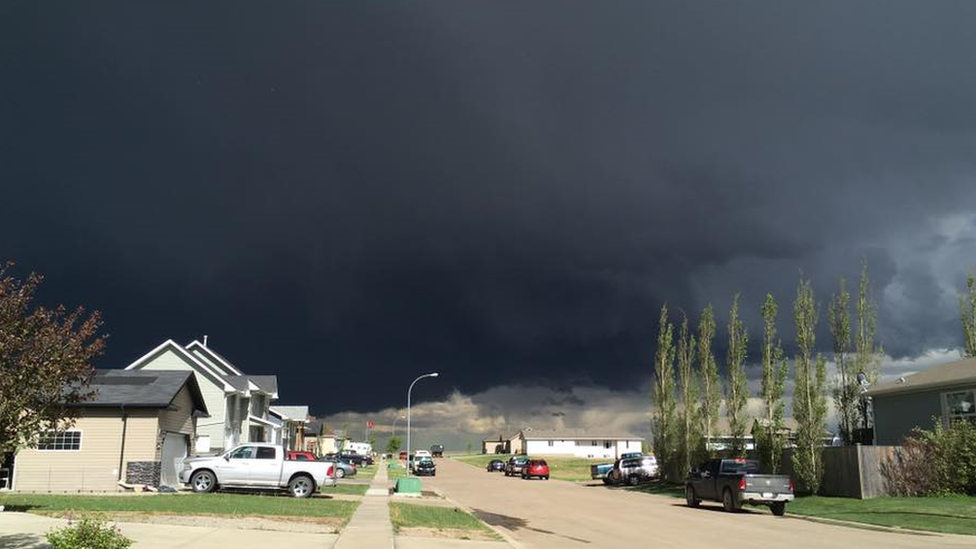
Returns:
<point x="737" y="481"/>
<point x="602" y="470"/>
<point x="359" y="459"/>
<point x="422" y="453"/>
<point x="536" y="468"/>
<point x="496" y="465"/>
<point x="424" y="466"/>
<point x="515" y="465"/>
<point x="256" y="465"/>
<point x="345" y="469"/>
<point x="437" y="450"/>
<point x="632" y="471"/>
<point x="403" y="455"/>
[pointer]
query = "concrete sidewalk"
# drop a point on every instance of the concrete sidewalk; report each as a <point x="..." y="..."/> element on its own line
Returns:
<point x="370" y="526"/>
<point x="26" y="531"/>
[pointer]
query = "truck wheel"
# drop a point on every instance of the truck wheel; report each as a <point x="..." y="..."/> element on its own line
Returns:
<point x="203" y="482"/>
<point x="607" y="481"/>
<point x="728" y="501"/>
<point x="301" y="486"/>
<point x="778" y="508"/>
<point x="633" y="480"/>
<point x="690" y="497"/>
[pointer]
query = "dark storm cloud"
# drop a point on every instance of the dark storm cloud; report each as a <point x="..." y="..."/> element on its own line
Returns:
<point x="502" y="191"/>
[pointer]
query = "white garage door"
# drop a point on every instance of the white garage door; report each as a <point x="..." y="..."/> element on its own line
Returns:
<point x="174" y="450"/>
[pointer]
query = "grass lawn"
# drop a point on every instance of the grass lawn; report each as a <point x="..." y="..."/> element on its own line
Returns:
<point x="186" y="504"/>
<point x="406" y="515"/>
<point x="345" y="488"/>
<point x="661" y="488"/>
<point x="366" y="472"/>
<point x="562" y="468"/>
<point x="396" y="472"/>
<point x="951" y="514"/>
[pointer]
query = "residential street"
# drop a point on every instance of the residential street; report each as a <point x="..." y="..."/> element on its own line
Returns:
<point x="556" y="514"/>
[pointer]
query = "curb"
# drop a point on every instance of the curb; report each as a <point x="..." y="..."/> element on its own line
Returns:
<point x="864" y="526"/>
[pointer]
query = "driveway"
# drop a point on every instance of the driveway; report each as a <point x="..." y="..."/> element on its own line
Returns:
<point x="556" y="514"/>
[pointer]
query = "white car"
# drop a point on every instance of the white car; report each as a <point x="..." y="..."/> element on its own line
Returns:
<point x="257" y="465"/>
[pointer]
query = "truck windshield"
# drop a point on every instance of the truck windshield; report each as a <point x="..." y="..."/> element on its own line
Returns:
<point x="740" y="466"/>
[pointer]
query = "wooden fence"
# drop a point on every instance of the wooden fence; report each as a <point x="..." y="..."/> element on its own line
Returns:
<point x="849" y="471"/>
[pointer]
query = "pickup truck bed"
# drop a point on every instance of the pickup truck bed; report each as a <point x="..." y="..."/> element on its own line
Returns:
<point x="735" y="482"/>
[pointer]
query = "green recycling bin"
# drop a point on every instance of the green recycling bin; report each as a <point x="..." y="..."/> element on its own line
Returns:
<point x="408" y="485"/>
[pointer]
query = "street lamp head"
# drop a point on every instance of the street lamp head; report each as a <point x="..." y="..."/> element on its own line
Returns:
<point x="435" y="374"/>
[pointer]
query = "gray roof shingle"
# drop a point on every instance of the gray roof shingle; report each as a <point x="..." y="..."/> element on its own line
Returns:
<point x="142" y="388"/>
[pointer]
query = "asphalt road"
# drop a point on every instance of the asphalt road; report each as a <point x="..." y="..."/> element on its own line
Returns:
<point x="556" y="514"/>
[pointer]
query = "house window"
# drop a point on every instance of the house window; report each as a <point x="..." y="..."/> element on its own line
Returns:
<point x="60" y="441"/>
<point x="594" y="443"/>
<point x="552" y="443"/>
<point x="607" y="444"/>
<point x="961" y="405"/>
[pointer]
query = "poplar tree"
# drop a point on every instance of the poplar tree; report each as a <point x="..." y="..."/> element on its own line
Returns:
<point x="847" y="390"/>
<point x="664" y="397"/>
<point x="967" y="314"/>
<point x="711" y="383"/>
<point x="809" y="399"/>
<point x="737" y="391"/>
<point x="867" y="356"/>
<point x="689" y="431"/>
<point x="770" y="440"/>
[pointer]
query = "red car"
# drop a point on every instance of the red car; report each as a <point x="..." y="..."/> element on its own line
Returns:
<point x="536" y="468"/>
<point x="403" y="455"/>
<point x="306" y="456"/>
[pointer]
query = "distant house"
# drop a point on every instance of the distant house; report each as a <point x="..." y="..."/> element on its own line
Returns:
<point x="577" y="442"/>
<point x="943" y="393"/>
<point x="238" y="402"/>
<point x="721" y="436"/>
<point x="289" y="430"/>
<point x="511" y="444"/>
<point x="137" y="429"/>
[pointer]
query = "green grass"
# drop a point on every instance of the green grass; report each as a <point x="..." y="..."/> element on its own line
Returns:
<point x="345" y="488"/>
<point x="660" y="488"/>
<point x="562" y="468"/>
<point x="951" y="514"/>
<point x="237" y="505"/>
<point x="366" y="472"/>
<point x="405" y="515"/>
<point x="396" y="472"/>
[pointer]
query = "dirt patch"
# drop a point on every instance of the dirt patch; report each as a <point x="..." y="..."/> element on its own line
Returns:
<point x="309" y="525"/>
<point x="449" y="533"/>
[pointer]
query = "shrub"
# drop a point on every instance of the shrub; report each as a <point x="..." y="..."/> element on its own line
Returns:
<point x="940" y="461"/>
<point x="88" y="533"/>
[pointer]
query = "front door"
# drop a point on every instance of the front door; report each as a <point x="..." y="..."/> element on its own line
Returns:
<point x="265" y="469"/>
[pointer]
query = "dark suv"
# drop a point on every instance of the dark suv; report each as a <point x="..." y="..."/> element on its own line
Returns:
<point x="515" y="466"/>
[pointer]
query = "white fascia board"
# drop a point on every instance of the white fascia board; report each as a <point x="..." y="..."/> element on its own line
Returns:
<point x="215" y="356"/>
<point x="185" y="355"/>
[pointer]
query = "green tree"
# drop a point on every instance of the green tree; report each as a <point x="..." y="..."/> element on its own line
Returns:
<point x="393" y="445"/>
<point x="809" y="398"/>
<point x="737" y="390"/>
<point x="770" y="439"/>
<point x="967" y="314"/>
<point x="846" y="390"/>
<point x="664" y="397"/>
<point x="867" y="355"/>
<point x="689" y="432"/>
<point x="45" y="362"/>
<point x="711" y="383"/>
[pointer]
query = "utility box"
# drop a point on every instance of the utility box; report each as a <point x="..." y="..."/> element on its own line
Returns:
<point x="408" y="485"/>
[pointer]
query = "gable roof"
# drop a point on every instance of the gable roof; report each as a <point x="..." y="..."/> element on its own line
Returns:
<point x="960" y="372"/>
<point x="264" y="384"/>
<point x="293" y="413"/>
<point x="214" y="358"/>
<point x="574" y="434"/>
<point x="177" y="349"/>
<point x="143" y="389"/>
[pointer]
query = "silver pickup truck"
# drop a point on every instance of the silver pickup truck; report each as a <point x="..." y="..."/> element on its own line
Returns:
<point x="735" y="482"/>
<point x="257" y="465"/>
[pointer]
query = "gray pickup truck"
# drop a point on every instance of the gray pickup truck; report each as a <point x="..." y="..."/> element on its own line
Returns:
<point x="602" y="470"/>
<point x="735" y="482"/>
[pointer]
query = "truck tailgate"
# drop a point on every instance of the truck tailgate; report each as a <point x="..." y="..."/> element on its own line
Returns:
<point x="768" y="484"/>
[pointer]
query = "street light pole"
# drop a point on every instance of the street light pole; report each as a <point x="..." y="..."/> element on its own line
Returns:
<point x="434" y="374"/>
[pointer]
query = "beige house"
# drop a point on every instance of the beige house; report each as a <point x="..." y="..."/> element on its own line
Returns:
<point x="137" y="429"/>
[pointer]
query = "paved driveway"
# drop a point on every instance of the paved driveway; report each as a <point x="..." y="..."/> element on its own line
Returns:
<point x="556" y="514"/>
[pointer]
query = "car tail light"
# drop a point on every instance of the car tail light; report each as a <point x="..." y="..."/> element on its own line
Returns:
<point x="742" y="484"/>
<point x="792" y="486"/>
<point x="330" y="471"/>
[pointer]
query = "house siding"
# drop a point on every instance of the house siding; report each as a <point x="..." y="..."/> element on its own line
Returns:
<point x="94" y="468"/>
<point x="213" y="396"/>
<point x="179" y="417"/>
<point x="581" y="447"/>
<point x="896" y="415"/>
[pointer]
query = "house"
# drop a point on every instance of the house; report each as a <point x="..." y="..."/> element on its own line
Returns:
<point x="136" y="429"/>
<point x="238" y="403"/>
<point x="721" y="436"/>
<point x="290" y="423"/>
<point x="577" y="442"/>
<point x="511" y="444"/>
<point x="943" y="393"/>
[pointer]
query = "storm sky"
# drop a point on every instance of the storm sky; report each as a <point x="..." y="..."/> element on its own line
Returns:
<point x="349" y="194"/>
